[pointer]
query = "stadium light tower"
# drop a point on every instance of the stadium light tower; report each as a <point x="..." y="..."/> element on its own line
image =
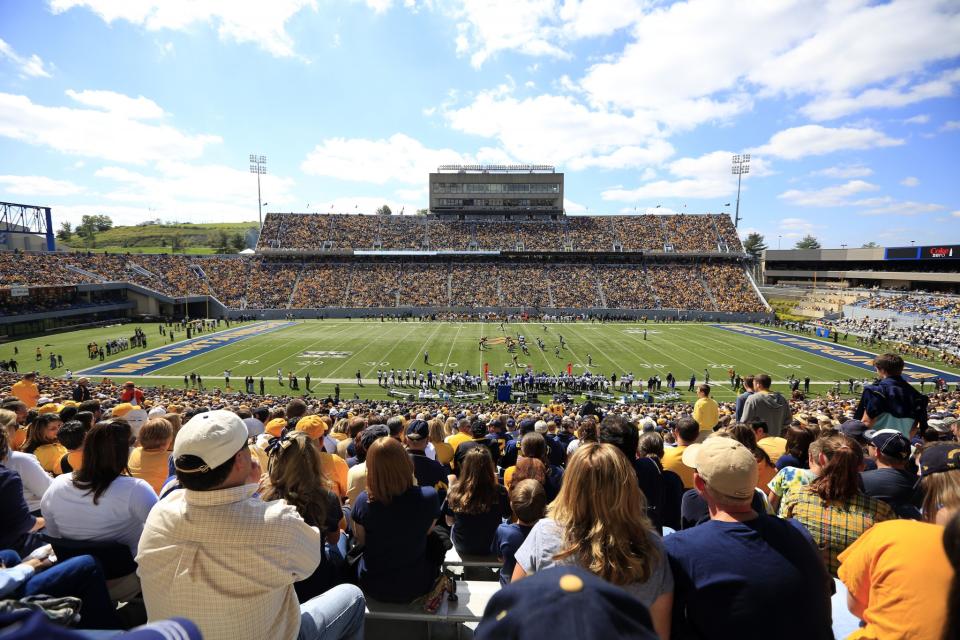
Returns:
<point x="741" y="166"/>
<point x="258" y="165"/>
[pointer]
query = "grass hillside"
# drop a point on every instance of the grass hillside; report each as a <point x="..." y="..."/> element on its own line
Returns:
<point x="166" y="238"/>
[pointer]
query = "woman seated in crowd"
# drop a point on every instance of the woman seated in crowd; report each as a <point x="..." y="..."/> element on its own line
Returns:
<point x="799" y="438"/>
<point x="393" y="519"/>
<point x="35" y="480"/>
<point x="295" y="474"/>
<point x="476" y="504"/>
<point x="42" y="440"/>
<point x="18" y="527"/>
<point x="611" y="536"/>
<point x="533" y="446"/>
<point x="100" y="501"/>
<point x="792" y="478"/>
<point x="832" y="507"/>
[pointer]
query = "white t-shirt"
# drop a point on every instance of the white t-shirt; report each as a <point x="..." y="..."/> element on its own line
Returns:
<point x="35" y="479"/>
<point x="117" y="517"/>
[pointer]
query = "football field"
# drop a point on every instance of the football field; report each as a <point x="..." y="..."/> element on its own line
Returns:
<point x="333" y="351"/>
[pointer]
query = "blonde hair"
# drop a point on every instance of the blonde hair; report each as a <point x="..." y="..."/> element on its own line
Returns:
<point x="296" y="475"/>
<point x="389" y="470"/>
<point x="940" y="490"/>
<point x="155" y="433"/>
<point x="436" y="430"/>
<point x="602" y="514"/>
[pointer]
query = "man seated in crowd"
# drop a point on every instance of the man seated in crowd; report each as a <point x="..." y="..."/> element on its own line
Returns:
<point x="220" y="556"/>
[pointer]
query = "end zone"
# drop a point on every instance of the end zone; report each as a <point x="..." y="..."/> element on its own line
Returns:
<point x="147" y="362"/>
<point x="838" y="353"/>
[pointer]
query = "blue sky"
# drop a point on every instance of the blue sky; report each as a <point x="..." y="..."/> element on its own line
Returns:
<point x="148" y="109"/>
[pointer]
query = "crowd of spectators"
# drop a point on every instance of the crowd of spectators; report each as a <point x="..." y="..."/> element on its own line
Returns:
<point x="261" y="283"/>
<point x="254" y="516"/>
<point x="925" y="304"/>
<point x="685" y="232"/>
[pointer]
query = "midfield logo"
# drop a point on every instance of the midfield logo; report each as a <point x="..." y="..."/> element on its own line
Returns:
<point x="326" y="354"/>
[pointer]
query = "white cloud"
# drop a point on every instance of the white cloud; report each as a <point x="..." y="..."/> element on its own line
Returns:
<point x="32" y="67"/>
<point x="815" y="140"/>
<point x="95" y="133"/>
<point x="179" y="191"/>
<point x="845" y="171"/>
<point x="138" y="108"/>
<point x="38" y="186"/>
<point x="486" y="27"/>
<point x="922" y="118"/>
<point x="836" y="106"/>
<point x="707" y="176"/>
<point x="908" y="208"/>
<point x="379" y="6"/>
<point x="951" y="125"/>
<point x="956" y="214"/>
<point x="569" y="206"/>
<point x="591" y="18"/>
<point x="834" y="196"/>
<point x="910" y="181"/>
<point x="398" y="158"/>
<point x="260" y="23"/>
<point x="560" y="130"/>
<point x="414" y="195"/>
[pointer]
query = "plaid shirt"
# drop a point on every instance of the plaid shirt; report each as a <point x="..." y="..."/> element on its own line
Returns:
<point x="834" y="525"/>
<point x="227" y="561"/>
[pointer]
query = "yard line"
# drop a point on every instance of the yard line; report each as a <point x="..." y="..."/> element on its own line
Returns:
<point x="269" y="367"/>
<point x="395" y="345"/>
<point x="369" y="344"/>
<point x="425" y="342"/>
<point x="452" y="344"/>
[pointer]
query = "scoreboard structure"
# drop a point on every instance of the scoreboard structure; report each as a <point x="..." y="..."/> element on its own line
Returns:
<point x="509" y="192"/>
<point x="935" y="252"/>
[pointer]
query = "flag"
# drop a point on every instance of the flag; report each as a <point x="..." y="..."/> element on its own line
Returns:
<point x="657" y="207"/>
<point x="727" y="205"/>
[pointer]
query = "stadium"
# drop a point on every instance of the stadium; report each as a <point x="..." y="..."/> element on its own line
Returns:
<point x="508" y="355"/>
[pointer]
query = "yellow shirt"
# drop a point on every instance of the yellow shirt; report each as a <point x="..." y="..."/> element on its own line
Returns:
<point x="150" y="466"/>
<point x="75" y="458"/>
<point x="457" y="439"/>
<point x="444" y="452"/>
<point x="18" y="439"/>
<point x="672" y="462"/>
<point x="26" y="392"/>
<point x="898" y="572"/>
<point x="775" y="446"/>
<point x="338" y="436"/>
<point x="335" y="469"/>
<point x="706" y="413"/>
<point x="49" y="455"/>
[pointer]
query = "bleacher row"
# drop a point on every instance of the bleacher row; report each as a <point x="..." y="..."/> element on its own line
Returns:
<point x="258" y="283"/>
<point x="339" y="232"/>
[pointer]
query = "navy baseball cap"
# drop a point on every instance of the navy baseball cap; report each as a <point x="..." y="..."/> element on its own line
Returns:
<point x="577" y="603"/>
<point x="371" y="434"/>
<point x="418" y="430"/>
<point x="478" y="428"/>
<point x="853" y="428"/>
<point x="940" y="457"/>
<point x="891" y="443"/>
<point x="526" y="425"/>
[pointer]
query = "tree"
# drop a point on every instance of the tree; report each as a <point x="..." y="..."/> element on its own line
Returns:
<point x="65" y="232"/>
<point x="808" y="242"/>
<point x="223" y="241"/>
<point x="238" y="242"/>
<point x="384" y="211"/>
<point x="871" y="245"/>
<point x="754" y="245"/>
<point x="422" y="212"/>
<point x="176" y="243"/>
<point x="102" y="222"/>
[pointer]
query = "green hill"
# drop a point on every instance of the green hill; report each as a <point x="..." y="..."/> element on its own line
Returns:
<point x="170" y="238"/>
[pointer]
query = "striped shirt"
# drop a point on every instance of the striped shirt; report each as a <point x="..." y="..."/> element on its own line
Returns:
<point x="227" y="561"/>
<point x="834" y="525"/>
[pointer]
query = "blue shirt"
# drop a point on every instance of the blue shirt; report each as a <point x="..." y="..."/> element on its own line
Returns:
<point x="17" y="521"/>
<point x="508" y="539"/>
<point x="394" y="566"/>
<point x="430" y="473"/>
<point x="745" y="579"/>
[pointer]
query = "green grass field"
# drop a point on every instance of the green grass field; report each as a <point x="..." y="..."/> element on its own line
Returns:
<point x="333" y="350"/>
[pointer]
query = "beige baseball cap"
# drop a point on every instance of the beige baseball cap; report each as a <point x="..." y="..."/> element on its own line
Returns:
<point x="725" y="465"/>
<point x="213" y="436"/>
